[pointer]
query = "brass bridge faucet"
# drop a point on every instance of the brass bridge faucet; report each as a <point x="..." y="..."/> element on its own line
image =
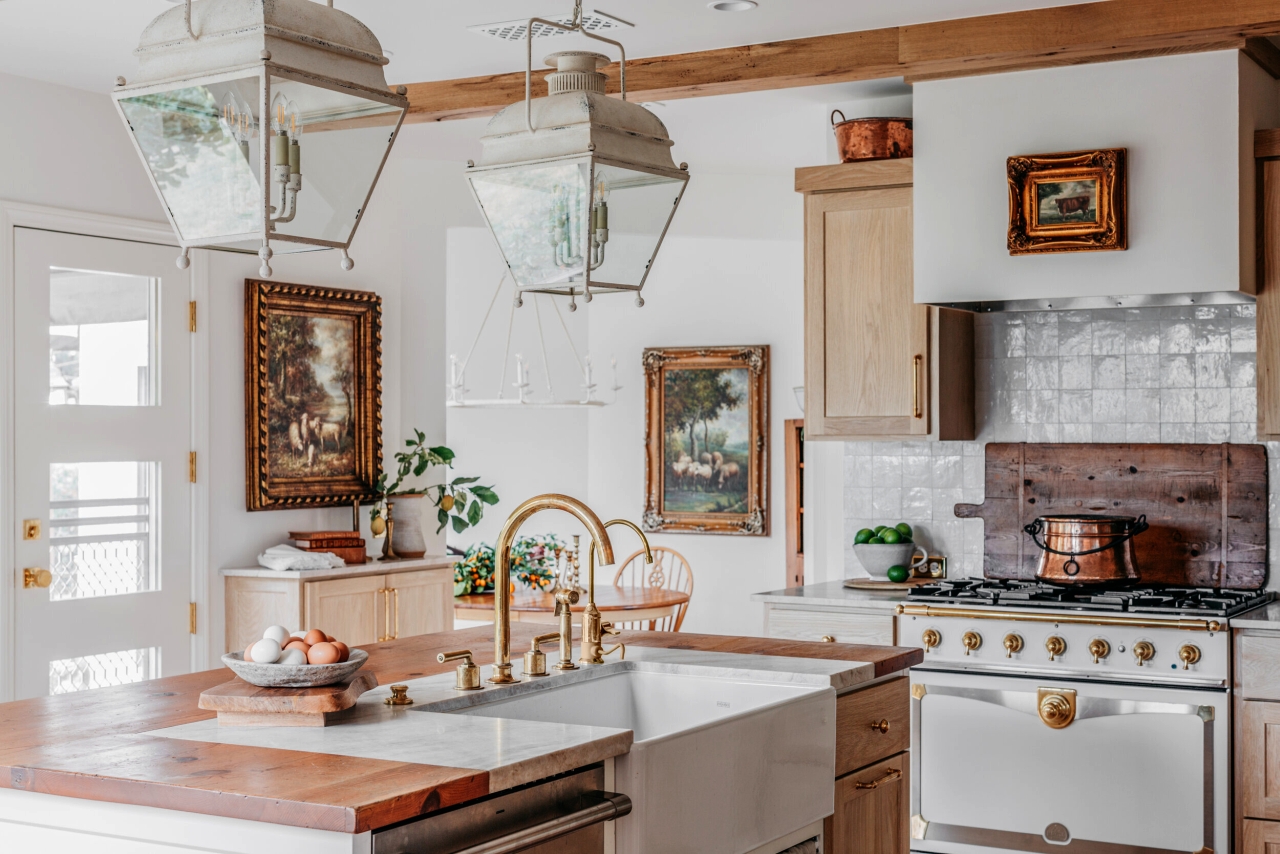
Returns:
<point x="593" y="630"/>
<point x="502" y="575"/>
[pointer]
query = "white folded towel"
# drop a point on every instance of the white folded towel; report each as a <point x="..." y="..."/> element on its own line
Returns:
<point x="284" y="557"/>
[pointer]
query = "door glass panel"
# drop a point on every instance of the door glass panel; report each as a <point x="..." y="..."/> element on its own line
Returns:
<point x="101" y="345"/>
<point x="101" y="537"/>
<point x="102" y="671"/>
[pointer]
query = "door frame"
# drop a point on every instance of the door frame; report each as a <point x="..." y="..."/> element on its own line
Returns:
<point x="15" y="215"/>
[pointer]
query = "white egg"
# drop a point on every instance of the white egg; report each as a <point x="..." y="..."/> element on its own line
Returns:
<point x="277" y="634"/>
<point x="265" y="651"/>
<point x="293" y="656"/>
<point x="300" y="634"/>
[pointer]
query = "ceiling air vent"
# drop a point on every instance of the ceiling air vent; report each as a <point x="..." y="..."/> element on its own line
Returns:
<point x="594" y="21"/>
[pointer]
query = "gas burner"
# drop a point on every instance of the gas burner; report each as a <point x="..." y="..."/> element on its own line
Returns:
<point x="1140" y="598"/>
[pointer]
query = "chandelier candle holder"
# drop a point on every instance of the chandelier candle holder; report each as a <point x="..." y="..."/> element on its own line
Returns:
<point x="578" y="188"/>
<point x="217" y="112"/>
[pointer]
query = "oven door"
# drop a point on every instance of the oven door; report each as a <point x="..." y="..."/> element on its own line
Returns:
<point x="1041" y="765"/>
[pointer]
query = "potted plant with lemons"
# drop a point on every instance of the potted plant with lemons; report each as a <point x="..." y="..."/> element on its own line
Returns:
<point x="888" y="552"/>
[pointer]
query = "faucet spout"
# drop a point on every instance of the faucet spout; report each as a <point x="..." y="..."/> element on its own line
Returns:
<point x="502" y="574"/>
<point x="593" y="628"/>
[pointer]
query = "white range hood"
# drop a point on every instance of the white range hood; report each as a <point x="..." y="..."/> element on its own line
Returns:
<point x="1187" y="122"/>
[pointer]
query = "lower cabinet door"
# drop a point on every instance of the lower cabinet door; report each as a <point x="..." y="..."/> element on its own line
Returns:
<point x="872" y="810"/>
<point x="1260" y="837"/>
<point x="352" y="610"/>
<point x="421" y="602"/>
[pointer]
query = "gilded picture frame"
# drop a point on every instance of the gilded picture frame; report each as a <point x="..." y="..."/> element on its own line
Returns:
<point x="313" y="395"/>
<point x="707" y="440"/>
<point x="1074" y="201"/>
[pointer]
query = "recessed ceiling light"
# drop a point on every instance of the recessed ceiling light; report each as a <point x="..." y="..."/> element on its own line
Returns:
<point x="733" y="5"/>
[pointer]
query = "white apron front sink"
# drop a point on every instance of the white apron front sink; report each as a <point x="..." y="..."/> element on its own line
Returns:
<point x="719" y="765"/>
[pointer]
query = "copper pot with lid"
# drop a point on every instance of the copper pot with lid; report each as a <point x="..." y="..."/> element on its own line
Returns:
<point x="1085" y="548"/>
<point x="872" y="138"/>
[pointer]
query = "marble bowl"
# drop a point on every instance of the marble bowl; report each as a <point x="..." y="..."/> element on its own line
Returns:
<point x="294" y="675"/>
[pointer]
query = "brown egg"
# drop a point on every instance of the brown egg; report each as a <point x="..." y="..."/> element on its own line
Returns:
<point x="299" y="643"/>
<point x="323" y="653"/>
<point x="247" y="656"/>
<point x="315" y="636"/>
<point x="330" y="638"/>
<point x="344" y="651"/>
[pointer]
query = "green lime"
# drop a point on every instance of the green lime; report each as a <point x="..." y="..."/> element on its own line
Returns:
<point x="881" y="529"/>
<point x="862" y="536"/>
<point x="898" y="574"/>
<point x="891" y="536"/>
<point x="904" y="529"/>
<point x="876" y="541"/>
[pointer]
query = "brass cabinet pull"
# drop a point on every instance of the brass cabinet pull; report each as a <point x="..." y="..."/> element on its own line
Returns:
<point x="888" y="777"/>
<point x="384" y="635"/>
<point x="396" y="633"/>
<point x="917" y="407"/>
<point x="881" y="727"/>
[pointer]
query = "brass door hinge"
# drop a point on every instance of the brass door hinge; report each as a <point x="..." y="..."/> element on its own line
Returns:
<point x="191" y="467"/>
<point x="193" y="618"/>
<point x="191" y="316"/>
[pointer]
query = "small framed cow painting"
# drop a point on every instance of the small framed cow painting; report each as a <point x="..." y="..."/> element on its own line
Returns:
<point x="313" y="395"/>
<point x="1069" y="202"/>
<point x="707" y="440"/>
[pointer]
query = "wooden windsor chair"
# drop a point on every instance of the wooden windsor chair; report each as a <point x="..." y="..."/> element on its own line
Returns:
<point x="670" y="571"/>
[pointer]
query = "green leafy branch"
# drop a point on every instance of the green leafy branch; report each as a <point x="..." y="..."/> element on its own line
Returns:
<point x="459" y="502"/>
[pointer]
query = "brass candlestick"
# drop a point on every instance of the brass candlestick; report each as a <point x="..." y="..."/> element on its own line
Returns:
<point x="388" y="551"/>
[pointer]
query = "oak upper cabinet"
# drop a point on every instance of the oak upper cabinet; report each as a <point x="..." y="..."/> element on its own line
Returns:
<point x="421" y="603"/>
<point x="877" y="365"/>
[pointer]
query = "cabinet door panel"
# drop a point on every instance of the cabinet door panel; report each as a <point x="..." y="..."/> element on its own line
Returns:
<point x="1260" y="756"/>
<point x="253" y="604"/>
<point x="421" y="603"/>
<point x="1261" y="837"/>
<point x="859" y="741"/>
<point x="350" y="609"/>
<point x="872" y="806"/>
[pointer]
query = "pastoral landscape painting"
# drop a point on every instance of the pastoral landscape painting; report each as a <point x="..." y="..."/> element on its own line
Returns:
<point x="310" y="402"/>
<point x="1060" y="202"/>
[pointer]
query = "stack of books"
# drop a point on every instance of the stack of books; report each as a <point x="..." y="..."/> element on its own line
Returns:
<point x="348" y="545"/>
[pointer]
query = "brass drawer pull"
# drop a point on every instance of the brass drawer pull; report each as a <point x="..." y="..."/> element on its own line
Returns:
<point x="888" y="777"/>
<point x="917" y="361"/>
<point x="882" y="727"/>
<point x="828" y="639"/>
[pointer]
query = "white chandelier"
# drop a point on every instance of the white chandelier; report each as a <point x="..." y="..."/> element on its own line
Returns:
<point x="217" y="113"/>
<point x="578" y="188"/>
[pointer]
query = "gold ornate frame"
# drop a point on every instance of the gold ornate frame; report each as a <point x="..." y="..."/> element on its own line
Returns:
<point x="262" y="299"/>
<point x="1028" y="237"/>
<point x="755" y="522"/>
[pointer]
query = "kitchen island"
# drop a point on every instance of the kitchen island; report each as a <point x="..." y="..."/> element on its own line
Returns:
<point x="99" y="753"/>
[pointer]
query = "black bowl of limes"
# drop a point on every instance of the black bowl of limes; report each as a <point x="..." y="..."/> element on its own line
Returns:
<point x="888" y="552"/>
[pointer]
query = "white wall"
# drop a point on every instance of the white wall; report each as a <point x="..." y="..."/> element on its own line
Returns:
<point x="1176" y="115"/>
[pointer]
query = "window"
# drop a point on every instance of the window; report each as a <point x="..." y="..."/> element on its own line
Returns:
<point x="101" y="344"/>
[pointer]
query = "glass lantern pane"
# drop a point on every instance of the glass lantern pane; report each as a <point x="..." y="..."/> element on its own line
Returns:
<point x="538" y="216"/>
<point x="202" y="160"/>
<point x="639" y="206"/>
<point x="342" y="140"/>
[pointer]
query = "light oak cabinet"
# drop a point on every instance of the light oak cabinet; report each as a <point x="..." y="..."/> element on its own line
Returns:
<point x="1256" y="739"/>
<point x="359" y="605"/>
<point x="877" y="365"/>
<point x="873" y="795"/>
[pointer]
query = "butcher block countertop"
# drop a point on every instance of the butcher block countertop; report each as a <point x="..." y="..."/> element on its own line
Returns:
<point x="101" y="745"/>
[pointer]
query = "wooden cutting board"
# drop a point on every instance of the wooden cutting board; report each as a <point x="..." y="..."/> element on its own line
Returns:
<point x="240" y="704"/>
<point x="1206" y="504"/>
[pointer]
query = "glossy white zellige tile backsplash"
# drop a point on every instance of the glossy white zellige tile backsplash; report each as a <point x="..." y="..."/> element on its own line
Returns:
<point x="1184" y="374"/>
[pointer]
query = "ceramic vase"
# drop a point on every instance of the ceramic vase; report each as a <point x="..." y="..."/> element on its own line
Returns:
<point x="407" y="539"/>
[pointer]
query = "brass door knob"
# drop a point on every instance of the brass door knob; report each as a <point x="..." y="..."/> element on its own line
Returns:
<point x="1012" y="644"/>
<point x="930" y="639"/>
<point x="1055" y="646"/>
<point x="1144" y="652"/>
<point x="1056" y="710"/>
<point x="399" y="696"/>
<point x="1099" y="649"/>
<point x="34" y="576"/>
<point x="971" y="641"/>
<point x="1190" y="654"/>
<point x="468" y="675"/>
<point x="882" y="726"/>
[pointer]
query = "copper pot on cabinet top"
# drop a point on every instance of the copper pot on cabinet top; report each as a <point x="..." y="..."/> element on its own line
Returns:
<point x="1086" y="549"/>
<point x="872" y="138"/>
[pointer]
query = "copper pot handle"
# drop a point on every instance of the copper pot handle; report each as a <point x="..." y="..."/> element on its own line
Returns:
<point x="833" y="117"/>
<point x="1034" y="529"/>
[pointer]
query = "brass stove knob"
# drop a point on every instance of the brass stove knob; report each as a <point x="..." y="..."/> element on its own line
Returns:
<point x="1190" y="654"/>
<point x="930" y="639"/>
<point x="971" y="641"/>
<point x="1099" y="649"/>
<point x="1144" y="652"/>
<point x="1055" y="646"/>
<point x="1012" y="644"/>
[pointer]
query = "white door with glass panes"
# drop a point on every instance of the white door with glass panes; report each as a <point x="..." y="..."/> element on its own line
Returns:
<point x="102" y="420"/>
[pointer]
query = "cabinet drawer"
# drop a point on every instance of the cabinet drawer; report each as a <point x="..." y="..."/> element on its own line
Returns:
<point x="872" y="813"/>
<point x="1260" y="667"/>
<point x="813" y="625"/>
<point x="860" y="736"/>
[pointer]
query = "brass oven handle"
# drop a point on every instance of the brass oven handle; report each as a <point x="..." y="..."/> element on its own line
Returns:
<point x="917" y="409"/>
<point x="888" y="777"/>
<point x="881" y="727"/>
<point x="1210" y="626"/>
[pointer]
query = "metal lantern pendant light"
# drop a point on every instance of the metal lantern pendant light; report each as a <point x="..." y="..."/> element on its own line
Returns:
<point x="217" y="113"/>
<point x="578" y="188"/>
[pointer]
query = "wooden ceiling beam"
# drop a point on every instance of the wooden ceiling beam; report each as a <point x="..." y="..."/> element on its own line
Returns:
<point x="1015" y="41"/>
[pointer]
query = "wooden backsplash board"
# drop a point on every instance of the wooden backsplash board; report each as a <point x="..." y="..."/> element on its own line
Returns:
<point x="1194" y="496"/>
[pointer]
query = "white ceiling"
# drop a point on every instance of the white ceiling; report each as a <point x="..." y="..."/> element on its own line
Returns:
<point x="87" y="43"/>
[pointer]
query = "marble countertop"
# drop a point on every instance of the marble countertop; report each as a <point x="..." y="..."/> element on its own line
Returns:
<point x="833" y="594"/>
<point x="373" y="567"/>
<point x="1265" y="618"/>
